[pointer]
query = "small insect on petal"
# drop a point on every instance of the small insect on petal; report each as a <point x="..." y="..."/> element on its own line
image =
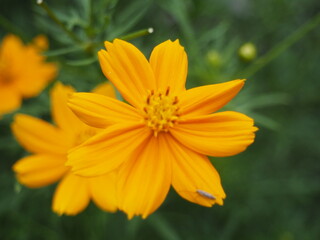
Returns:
<point x="206" y="194"/>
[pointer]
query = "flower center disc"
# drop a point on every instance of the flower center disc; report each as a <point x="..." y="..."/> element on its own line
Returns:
<point x="161" y="111"/>
<point x="5" y="76"/>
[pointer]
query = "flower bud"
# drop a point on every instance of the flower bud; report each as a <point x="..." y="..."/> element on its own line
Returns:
<point x="214" y="58"/>
<point x="247" y="51"/>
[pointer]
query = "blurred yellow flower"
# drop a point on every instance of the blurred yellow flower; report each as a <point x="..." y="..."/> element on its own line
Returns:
<point x="23" y="71"/>
<point x="49" y="145"/>
<point x="164" y="135"/>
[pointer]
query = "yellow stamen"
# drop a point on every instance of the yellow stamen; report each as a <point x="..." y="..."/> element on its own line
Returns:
<point x="161" y="111"/>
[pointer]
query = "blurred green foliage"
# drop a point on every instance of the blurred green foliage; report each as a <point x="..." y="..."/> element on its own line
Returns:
<point x="273" y="189"/>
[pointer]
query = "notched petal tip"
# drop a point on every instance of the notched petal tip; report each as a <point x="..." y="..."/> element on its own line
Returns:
<point x="131" y="215"/>
<point x="203" y="198"/>
<point x="107" y="44"/>
<point x="220" y="134"/>
<point x="101" y="53"/>
<point x="210" y="98"/>
<point x="116" y="41"/>
<point x="169" y="41"/>
<point x="177" y="43"/>
<point x="170" y="66"/>
<point x="210" y="199"/>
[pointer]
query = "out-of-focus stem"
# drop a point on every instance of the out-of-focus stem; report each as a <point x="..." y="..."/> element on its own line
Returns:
<point x="137" y="34"/>
<point x="280" y="48"/>
<point x="58" y="22"/>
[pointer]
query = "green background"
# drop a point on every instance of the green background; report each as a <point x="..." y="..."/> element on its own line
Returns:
<point x="273" y="188"/>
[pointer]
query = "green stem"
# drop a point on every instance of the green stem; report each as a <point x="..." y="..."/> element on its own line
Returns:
<point x="58" y="22"/>
<point x="136" y="34"/>
<point x="280" y="48"/>
<point x="130" y="36"/>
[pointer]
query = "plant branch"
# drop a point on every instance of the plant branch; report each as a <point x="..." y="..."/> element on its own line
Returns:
<point x="57" y="21"/>
<point x="281" y="47"/>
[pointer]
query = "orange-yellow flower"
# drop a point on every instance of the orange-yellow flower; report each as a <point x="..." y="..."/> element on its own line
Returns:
<point x="163" y="136"/>
<point x="23" y="71"/>
<point x="49" y="145"/>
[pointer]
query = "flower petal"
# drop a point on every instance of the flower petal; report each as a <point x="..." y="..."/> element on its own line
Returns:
<point x="170" y="66"/>
<point x="41" y="42"/>
<point x="101" y="111"/>
<point x="128" y="69"/>
<point x="208" y="99"/>
<point x="38" y="136"/>
<point x="10" y="48"/>
<point x="193" y="176"/>
<point x="62" y="115"/>
<point x="219" y="134"/>
<point x="71" y="196"/>
<point x="103" y="191"/>
<point x="105" y="151"/>
<point x="40" y="169"/>
<point x="35" y="74"/>
<point x="10" y="100"/>
<point x="105" y="89"/>
<point x="145" y="179"/>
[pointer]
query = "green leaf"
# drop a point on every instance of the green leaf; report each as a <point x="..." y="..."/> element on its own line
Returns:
<point x="82" y="62"/>
<point x="62" y="51"/>
<point x="127" y="18"/>
<point x="266" y="100"/>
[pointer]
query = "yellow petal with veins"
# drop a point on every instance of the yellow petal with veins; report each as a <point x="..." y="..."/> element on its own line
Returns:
<point x="71" y="196"/>
<point x="219" y="134"/>
<point x="107" y="150"/>
<point x="103" y="191"/>
<point x="193" y="176"/>
<point x="145" y="179"/>
<point x="61" y="113"/>
<point x="208" y="99"/>
<point x="101" y="111"/>
<point x="170" y="66"/>
<point x="38" y="136"/>
<point x="40" y="170"/>
<point x="128" y="69"/>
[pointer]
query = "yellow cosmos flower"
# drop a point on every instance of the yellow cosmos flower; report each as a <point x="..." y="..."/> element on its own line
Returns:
<point x="23" y="71"/>
<point x="50" y="144"/>
<point x="163" y="136"/>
